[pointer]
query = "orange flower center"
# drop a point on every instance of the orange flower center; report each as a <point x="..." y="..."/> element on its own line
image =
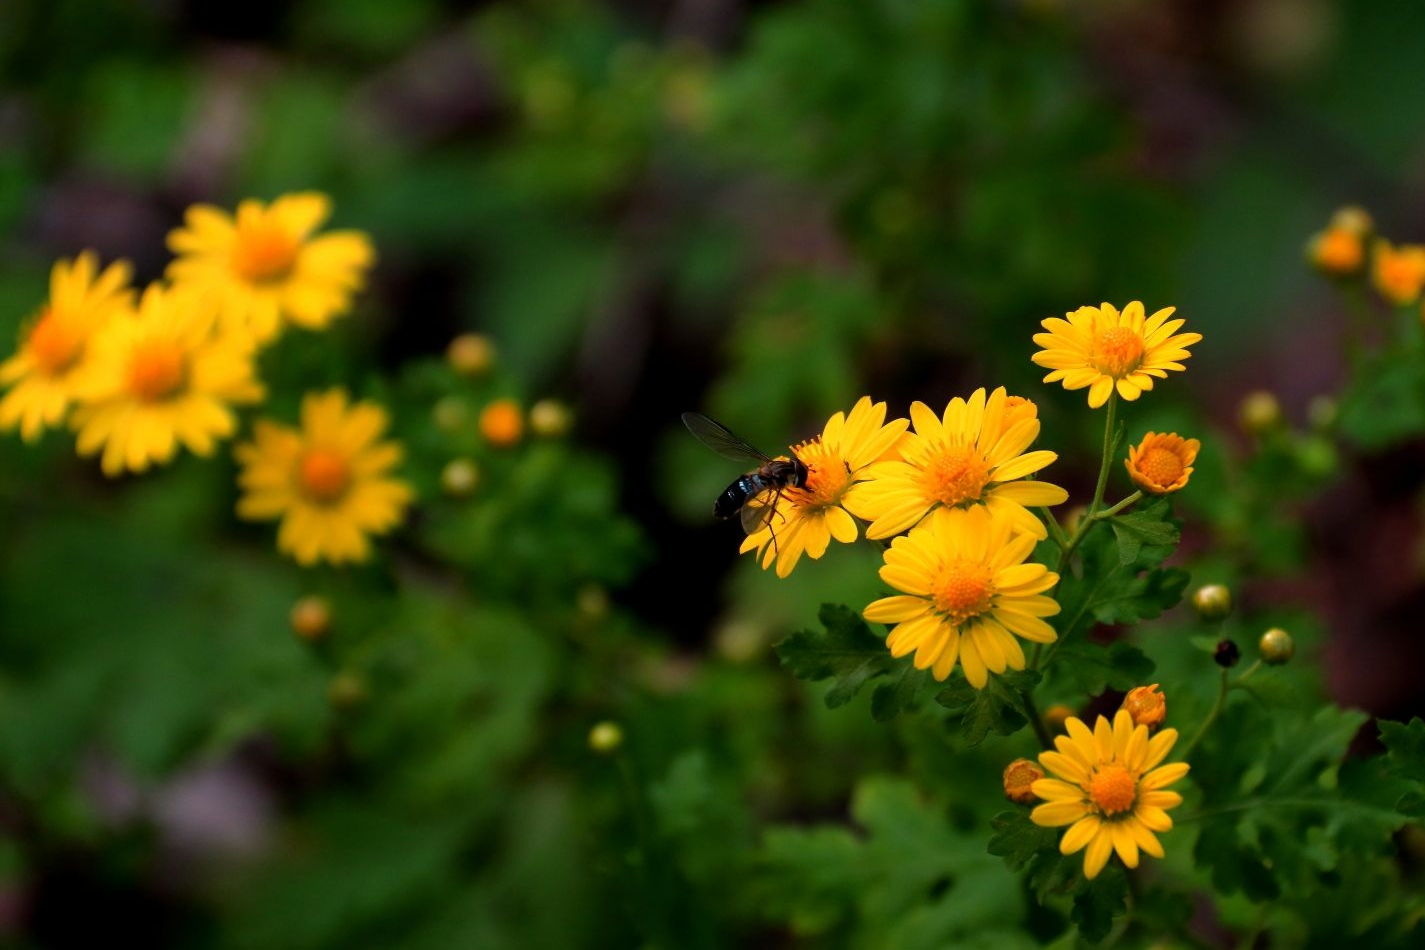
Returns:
<point x="157" y="369"/>
<point x="1117" y="351"/>
<point x="324" y="474"/>
<point x="54" y="345"/>
<point x="827" y="473"/>
<point x="957" y="474"/>
<point x="1113" y="789"/>
<point x="264" y="253"/>
<point x="963" y="590"/>
<point x="1163" y="467"/>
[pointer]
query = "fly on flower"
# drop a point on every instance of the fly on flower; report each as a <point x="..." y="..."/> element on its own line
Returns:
<point x="746" y="494"/>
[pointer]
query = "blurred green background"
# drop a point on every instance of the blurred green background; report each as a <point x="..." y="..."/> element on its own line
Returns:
<point x="760" y="210"/>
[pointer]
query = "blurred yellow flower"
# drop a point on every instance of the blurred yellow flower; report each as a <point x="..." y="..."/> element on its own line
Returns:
<point x="1162" y="463"/>
<point x="328" y="482"/>
<point x="967" y="594"/>
<point x="42" y="373"/>
<point x="267" y="267"/>
<point x="1110" y="788"/>
<point x="1104" y="350"/>
<point x="165" y="374"/>
<point x="807" y="518"/>
<point x="972" y="456"/>
<point x="1399" y="272"/>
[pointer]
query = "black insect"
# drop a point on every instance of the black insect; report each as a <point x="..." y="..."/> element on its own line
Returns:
<point x="745" y="495"/>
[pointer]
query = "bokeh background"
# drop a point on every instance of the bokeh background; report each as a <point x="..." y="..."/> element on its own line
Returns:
<point x="758" y="210"/>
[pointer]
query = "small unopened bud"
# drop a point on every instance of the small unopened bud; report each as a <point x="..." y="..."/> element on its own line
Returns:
<point x="501" y="423"/>
<point x="1055" y="717"/>
<point x="1353" y="218"/>
<point x="1260" y="412"/>
<point x="346" y="690"/>
<point x="605" y="737"/>
<point x="549" y="418"/>
<point x="1212" y="602"/>
<point x="1019" y="777"/>
<point x="1226" y="655"/>
<point x="1147" y="706"/>
<point x="459" y="477"/>
<point x="471" y="354"/>
<point x="450" y="414"/>
<point x="1276" y="647"/>
<point x="1322" y="413"/>
<point x="311" y="618"/>
<point x="593" y="601"/>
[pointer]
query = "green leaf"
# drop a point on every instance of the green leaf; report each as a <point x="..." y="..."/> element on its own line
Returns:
<point x="1150" y="526"/>
<point x="1405" y="759"/>
<point x="998" y="708"/>
<point x="891" y="697"/>
<point x="1110" y="590"/>
<point x="1101" y="900"/>
<point x="1096" y="668"/>
<point x="847" y="651"/>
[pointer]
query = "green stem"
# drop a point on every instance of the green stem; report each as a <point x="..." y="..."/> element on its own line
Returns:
<point x="1222" y="689"/>
<point x="1110" y="512"/>
<point x="1056" y="531"/>
<point x="1037" y="721"/>
<point x="1247" y="673"/>
<point x="1108" y="441"/>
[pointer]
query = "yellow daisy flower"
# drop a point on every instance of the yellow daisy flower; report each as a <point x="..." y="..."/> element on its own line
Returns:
<point x="807" y="518"/>
<point x="329" y="483"/>
<point x="1162" y="463"/>
<point x="267" y="266"/>
<point x="1398" y="272"/>
<point x="967" y="595"/>
<point x="1103" y="349"/>
<point x="972" y="456"/>
<point x="1110" y="788"/>
<point x="165" y="374"/>
<point x="41" y="374"/>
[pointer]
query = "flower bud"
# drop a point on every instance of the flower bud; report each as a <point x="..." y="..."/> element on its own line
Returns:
<point x="1353" y="218"/>
<point x="471" y="354"/>
<point x="549" y="418"/>
<point x="311" y="618"/>
<point x="346" y="690"/>
<point x="501" y="423"/>
<point x="1226" y="655"/>
<point x="450" y="414"/>
<point x="1055" y="717"/>
<point x="1212" y="602"/>
<point x="1276" y="647"/>
<point x="459" y="477"/>
<point x="1322" y="413"/>
<point x="593" y="601"/>
<point x="1259" y="412"/>
<point x="1147" y="706"/>
<point x="1019" y="776"/>
<point x="605" y="737"/>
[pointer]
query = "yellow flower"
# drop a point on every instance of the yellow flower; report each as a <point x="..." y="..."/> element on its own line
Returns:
<point x="967" y="595"/>
<point x="1103" y="349"/>
<point x="328" y="482"/>
<point x="1162" y="464"/>
<point x="972" y="457"/>
<point x="1110" y="788"/>
<point x="266" y="265"/>
<point x="1399" y="272"/>
<point x="165" y="374"/>
<point x="41" y="374"/>
<point x="807" y="518"/>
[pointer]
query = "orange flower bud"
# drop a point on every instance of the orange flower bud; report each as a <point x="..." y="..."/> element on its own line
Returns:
<point x="471" y="354"/>
<point x="311" y="618"/>
<point x="1147" y="706"/>
<point x="1162" y="464"/>
<point x="501" y="423"/>
<point x="1056" y="716"/>
<point x="1019" y="776"/>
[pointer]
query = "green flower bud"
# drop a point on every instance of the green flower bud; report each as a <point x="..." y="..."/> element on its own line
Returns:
<point x="459" y="477"/>
<point x="1276" y="646"/>
<point x="605" y="737"/>
<point x="1260" y="412"/>
<point x="1212" y="602"/>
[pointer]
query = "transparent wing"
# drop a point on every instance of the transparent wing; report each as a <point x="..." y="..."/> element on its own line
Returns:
<point x="760" y="512"/>
<point x="720" y="439"/>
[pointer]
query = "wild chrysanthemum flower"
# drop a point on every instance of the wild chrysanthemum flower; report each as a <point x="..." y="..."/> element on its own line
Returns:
<point x="165" y="374"/>
<point x="807" y="518"/>
<point x="967" y="595"/>
<point x="266" y="265"/>
<point x="1103" y="349"/>
<point x="1162" y="464"/>
<point x="1110" y="788"/>
<point x="973" y="456"/>
<point x="328" y="482"/>
<point x="1399" y="272"/>
<point x="42" y="372"/>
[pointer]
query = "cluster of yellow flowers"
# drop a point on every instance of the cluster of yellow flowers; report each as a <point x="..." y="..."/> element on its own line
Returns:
<point x="137" y="375"/>
<point x="1349" y="247"/>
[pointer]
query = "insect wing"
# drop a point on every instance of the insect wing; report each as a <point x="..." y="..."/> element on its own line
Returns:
<point x="720" y="439"/>
<point x="760" y="511"/>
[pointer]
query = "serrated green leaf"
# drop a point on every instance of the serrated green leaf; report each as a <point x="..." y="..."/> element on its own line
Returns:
<point x="1096" y="668"/>
<point x="999" y="708"/>
<point x="1109" y="590"/>
<point x="1405" y="759"/>
<point x="1151" y="526"/>
<point x="1098" y="902"/>
<point x="889" y="698"/>
<point x="1019" y="840"/>
<point x="845" y="650"/>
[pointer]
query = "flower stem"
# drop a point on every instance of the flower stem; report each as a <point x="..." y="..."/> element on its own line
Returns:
<point x="1222" y="689"/>
<point x="1108" y="441"/>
